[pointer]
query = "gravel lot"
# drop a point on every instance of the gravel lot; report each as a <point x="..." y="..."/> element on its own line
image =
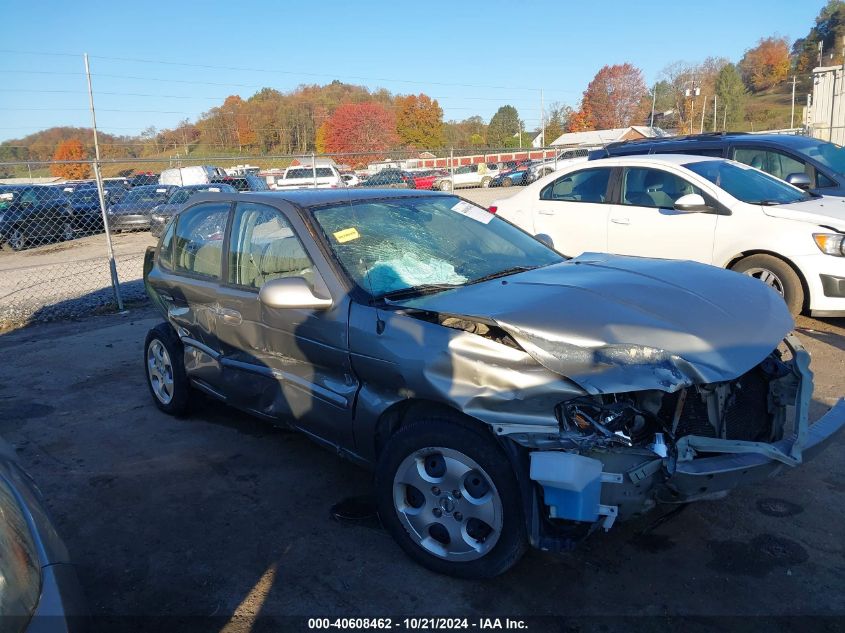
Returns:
<point x="222" y="516"/>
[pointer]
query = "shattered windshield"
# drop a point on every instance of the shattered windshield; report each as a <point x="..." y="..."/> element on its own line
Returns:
<point x="428" y="243"/>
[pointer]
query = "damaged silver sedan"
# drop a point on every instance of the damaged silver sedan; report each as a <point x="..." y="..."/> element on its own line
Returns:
<point x="503" y="395"/>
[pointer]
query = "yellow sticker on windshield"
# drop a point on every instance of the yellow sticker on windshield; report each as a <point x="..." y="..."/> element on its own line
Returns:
<point x="347" y="235"/>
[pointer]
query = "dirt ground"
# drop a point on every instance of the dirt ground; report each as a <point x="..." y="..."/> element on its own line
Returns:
<point x="224" y="516"/>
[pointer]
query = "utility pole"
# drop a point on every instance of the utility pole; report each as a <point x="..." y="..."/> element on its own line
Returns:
<point x="821" y="51"/>
<point x="703" y="110"/>
<point x="725" y="120"/>
<point x="792" y="112"/>
<point x="542" y="121"/>
<point x="653" y="102"/>
<point x="715" y="110"/>
<point x="98" y="176"/>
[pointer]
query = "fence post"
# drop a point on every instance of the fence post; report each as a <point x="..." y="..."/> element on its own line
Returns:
<point x="115" y="282"/>
<point x="314" y="168"/>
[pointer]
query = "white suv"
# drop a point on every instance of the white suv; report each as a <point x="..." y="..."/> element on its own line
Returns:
<point x="710" y="210"/>
<point x="302" y="177"/>
<point x="478" y="175"/>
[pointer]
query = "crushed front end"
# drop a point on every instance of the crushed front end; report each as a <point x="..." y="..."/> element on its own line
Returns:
<point x="619" y="455"/>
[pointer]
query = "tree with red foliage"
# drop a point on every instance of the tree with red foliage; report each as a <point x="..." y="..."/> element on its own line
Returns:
<point x="71" y="149"/>
<point x="361" y="127"/>
<point x="614" y="98"/>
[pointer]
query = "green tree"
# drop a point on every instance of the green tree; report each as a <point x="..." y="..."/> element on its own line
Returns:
<point x="557" y="121"/>
<point x="731" y="94"/>
<point x="503" y="126"/>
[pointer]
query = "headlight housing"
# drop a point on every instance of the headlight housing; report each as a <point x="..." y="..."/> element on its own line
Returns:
<point x="830" y="243"/>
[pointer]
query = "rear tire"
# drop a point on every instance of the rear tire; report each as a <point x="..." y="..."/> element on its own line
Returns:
<point x="445" y="186"/>
<point x="477" y="533"/>
<point x="507" y="182"/>
<point x="164" y="366"/>
<point x="17" y="240"/>
<point x="485" y="182"/>
<point x="776" y="274"/>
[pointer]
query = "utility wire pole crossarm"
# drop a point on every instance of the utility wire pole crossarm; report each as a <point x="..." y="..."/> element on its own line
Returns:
<point x="115" y="283"/>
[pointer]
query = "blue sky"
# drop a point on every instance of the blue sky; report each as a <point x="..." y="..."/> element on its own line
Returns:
<point x="471" y="56"/>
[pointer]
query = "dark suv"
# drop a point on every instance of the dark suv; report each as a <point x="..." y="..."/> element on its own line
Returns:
<point x="33" y="214"/>
<point x="806" y="162"/>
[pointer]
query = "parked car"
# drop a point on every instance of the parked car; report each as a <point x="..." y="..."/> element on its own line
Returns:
<point x="541" y="168"/>
<point x="511" y="177"/>
<point x="477" y="175"/>
<point x="40" y="589"/>
<point x="135" y="208"/>
<point x="161" y="214"/>
<point x="503" y="395"/>
<point x="390" y="179"/>
<point x="246" y="182"/>
<point x="86" y="216"/>
<point x="31" y="215"/>
<point x="146" y="178"/>
<point x="704" y="209"/>
<point x="350" y="179"/>
<point x="806" y="162"/>
<point x="426" y="178"/>
<point x="193" y="175"/>
<point x="307" y="177"/>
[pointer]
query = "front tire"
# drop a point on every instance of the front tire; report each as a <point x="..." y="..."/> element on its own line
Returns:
<point x="445" y="186"/>
<point x="485" y="182"/>
<point x="776" y="274"/>
<point x="449" y="497"/>
<point x="165" y="370"/>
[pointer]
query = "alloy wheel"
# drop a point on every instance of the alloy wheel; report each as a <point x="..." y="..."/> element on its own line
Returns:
<point x="767" y="277"/>
<point x="160" y="371"/>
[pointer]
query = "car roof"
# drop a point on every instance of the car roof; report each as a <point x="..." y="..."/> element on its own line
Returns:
<point x="320" y="197"/>
<point x="650" y="159"/>
<point x="793" y="140"/>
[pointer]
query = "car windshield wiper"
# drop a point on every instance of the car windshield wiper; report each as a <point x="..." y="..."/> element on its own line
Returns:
<point x="416" y="291"/>
<point x="767" y="203"/>
<point x="503" y="273"/>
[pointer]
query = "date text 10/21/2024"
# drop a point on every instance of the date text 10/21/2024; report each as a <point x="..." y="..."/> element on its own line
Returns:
<point x="421" y="623"/>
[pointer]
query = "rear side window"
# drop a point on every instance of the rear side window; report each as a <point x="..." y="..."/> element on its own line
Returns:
<point x="643" y="187"/>
<point x="773" y="162"/>
<point x="198" y="247"/>
<point x="588" y="185"/>
<point x="263" y="246"/>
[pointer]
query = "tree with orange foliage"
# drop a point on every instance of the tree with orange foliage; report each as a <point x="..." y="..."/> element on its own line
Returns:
<point x="242" y="125"/>
<point x="321" y="136"/>
<point x="71" y="149"/>
<point x="767" y="64"/>
<point x="614" y="98"/>
<point x="361" y="127"/>
<point x="581" y="121"/>
<point x="419" y="121"/>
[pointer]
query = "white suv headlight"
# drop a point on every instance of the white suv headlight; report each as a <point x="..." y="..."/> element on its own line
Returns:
<point x="830" y="243"/>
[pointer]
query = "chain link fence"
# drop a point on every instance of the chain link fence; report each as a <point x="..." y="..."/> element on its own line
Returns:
<point x="73" y="246"/>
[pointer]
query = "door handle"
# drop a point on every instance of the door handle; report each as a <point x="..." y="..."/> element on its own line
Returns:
<point x="620" y="220"/>
<point x="230" y="316"/>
